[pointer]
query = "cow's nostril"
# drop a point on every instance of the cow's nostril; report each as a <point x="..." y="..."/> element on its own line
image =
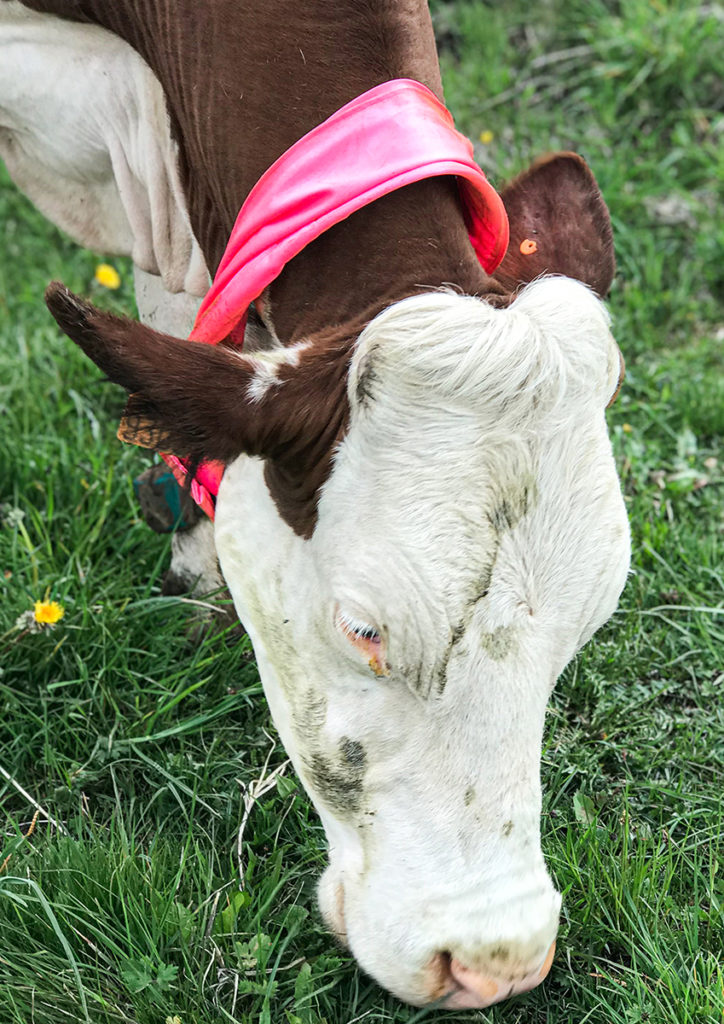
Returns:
<point x="467" y="988"/>
<point x="475" y="989"/>
<point x="442" y="966"/>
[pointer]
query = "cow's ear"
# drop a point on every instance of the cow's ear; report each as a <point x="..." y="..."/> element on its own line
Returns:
<point x="186" y="398"/>
<point x="559" y="224"/>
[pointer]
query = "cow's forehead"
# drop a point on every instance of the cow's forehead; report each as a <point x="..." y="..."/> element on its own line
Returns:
<point x="446" y="485"/>
<point x="459" y="352"/>
<point x="457" y="407"/>
<point x="441" y="528"/>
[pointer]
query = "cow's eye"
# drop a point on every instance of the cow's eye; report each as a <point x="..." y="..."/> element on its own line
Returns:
<point x="355" y="629"/>
<point x="366" y="638"/>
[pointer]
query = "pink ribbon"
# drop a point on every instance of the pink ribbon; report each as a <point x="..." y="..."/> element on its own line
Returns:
<point x="389" y="137"/>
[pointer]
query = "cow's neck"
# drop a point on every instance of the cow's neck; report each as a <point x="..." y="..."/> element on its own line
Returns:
<point x="244" y="80"/>
<point x="410" y="241"/>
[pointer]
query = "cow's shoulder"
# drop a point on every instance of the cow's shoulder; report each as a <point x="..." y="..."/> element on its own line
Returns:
<point x="85" y="133"/>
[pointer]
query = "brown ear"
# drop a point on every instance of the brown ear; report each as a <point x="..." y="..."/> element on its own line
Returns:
<point x="192" y="399"/>
<point x="559" y="224"/>
<point x="186" y="398"/>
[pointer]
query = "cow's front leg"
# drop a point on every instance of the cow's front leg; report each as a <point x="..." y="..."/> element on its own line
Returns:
<point x="194" y="568"/>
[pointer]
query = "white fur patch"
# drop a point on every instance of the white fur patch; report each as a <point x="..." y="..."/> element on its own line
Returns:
<point x="267" y="366"/>
<point x="474" y="516"/>
<point x="553" y="342"/>
<point x="193" y="558"/>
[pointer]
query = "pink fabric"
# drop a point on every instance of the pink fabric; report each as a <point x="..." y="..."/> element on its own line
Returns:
<point x="390" y="136"/>
<point x="204" y="486"/>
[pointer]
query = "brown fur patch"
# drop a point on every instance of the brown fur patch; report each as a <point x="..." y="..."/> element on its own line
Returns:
<point x="191" y="400"/>
<point x="557" y="204"/>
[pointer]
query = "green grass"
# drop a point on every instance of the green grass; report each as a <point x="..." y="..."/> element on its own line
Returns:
<point x="139" y="738"/>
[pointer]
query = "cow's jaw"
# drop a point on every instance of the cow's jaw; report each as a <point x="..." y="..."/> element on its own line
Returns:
<point x="477" y="523"/>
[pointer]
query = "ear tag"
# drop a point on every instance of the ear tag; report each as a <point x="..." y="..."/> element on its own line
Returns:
<point x="528" y="246"/>
<point x="136" y="428"/>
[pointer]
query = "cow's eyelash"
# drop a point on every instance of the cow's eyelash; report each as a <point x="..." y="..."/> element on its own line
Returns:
<point x="355" y="628"/>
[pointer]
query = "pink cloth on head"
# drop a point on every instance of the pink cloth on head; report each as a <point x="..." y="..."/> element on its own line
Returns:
<point x="392" y="135"/>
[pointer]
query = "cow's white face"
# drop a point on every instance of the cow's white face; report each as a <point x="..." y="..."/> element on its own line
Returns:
<point x="471" y="537"/>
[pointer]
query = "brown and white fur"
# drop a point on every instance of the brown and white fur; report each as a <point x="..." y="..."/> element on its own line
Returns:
<point x="420" y="522"/>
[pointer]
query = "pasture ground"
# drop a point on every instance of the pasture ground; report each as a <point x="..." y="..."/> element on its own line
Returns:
<point x="141" y="741"/>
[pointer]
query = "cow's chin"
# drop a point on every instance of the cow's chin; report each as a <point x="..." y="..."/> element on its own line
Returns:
<point x="332" y="907"/>
<point x="431" y="983"/>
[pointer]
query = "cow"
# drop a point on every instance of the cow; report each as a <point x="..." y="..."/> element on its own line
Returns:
<point x="420" y="520"/>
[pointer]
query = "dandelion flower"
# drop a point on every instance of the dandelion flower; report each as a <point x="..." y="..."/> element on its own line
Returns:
<point x="48" y="612"/>
<point x="108" y="276"/>
<point x="626" y="427"/>
<point x="486" y="137"/>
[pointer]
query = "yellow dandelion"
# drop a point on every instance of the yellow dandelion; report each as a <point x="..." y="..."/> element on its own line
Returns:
<point x="48" y="612"/>
<point x="486" y="137"/>
<point x="626" y="427"/>
<point x="108" y="276"/>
